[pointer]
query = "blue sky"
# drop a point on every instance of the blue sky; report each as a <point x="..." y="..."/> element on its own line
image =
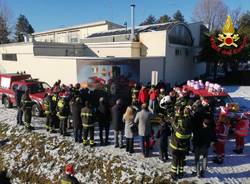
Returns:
<point x="48" y="14"/>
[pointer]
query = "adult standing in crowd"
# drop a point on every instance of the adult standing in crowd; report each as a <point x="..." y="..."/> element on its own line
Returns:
<point x="143" y="95"/>
<point x="143" y="118"/>
<point x="128" y="119"/>
<point x="18" y="95"/>
<point x="76" y="116"/>
<point x="117" y="112"/>
<point x="27" y="104"/>
<point x="153" y="94"/>
<point x="63" y="113"/>
<point x="88" y="124"/>
<point x="180" y="141"/>
<point x="103" y="118"/>
<point x="203" y="135"/>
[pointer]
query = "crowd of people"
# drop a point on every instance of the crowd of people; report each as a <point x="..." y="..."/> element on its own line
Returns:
<point x="186" y="122"/>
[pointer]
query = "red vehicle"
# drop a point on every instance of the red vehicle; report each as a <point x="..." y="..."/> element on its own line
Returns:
<point x="223" y="102"/>
<point x="214" y="91"/>
<point x="10" y="82"/>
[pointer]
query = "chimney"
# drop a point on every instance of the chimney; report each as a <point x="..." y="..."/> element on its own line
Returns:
<point x="132" y="22"/>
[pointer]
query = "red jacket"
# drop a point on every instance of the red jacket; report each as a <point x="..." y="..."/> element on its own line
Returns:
<point x="221" y="131"/>
<point x="242" y="127"/>
<point x="153" y="94"/>
<point x="143" y="96"/>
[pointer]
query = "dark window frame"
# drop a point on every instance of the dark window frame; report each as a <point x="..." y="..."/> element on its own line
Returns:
<point x="9" y="57"/>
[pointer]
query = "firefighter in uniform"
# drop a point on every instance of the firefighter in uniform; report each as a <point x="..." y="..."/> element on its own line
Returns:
<point x="241" y="131"/>
<point x="46" y="102"/>
<point x="88" y="124"/>
<point x="134" y="94"/>
<point x="63" y="113"/>
<point x="53" y="120"/>
<point x="27" y="104"/>
<point x="69" y="177"/>
<point x="179" y="142"/>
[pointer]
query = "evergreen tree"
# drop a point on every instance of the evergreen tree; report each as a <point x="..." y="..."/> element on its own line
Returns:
<point x="22" y="27"/>
<point x="178" y="16"/>
<point x="4" y="31"/>
<point x="164" y="19"/>
<point x="149" y="20"/>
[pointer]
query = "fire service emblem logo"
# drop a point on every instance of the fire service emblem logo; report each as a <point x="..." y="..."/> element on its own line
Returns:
<point x="227" y="42"/>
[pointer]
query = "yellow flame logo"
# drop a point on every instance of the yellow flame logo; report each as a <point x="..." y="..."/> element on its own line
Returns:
<point x="228" y="38"/>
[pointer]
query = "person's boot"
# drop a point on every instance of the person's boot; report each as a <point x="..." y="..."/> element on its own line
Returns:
<point x="202" y="173"/>
<point x="217" y="160"/>
<point x="237" y="151"/>
<point x="180" y="175"/>
<point x="241" y="151"/>
<point x="174" y="176"/>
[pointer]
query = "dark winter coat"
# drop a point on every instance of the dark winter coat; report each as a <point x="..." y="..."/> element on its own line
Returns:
<point x="117" y="112"/>
<point x="76" y="114"/>
<point x="163" y="133"/>
<point x="103" y="113"/>
<point x="203" y="137"/>
<point x="18" y="96"/>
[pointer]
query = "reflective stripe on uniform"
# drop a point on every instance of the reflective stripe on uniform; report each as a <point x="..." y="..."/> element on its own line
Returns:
<point x="87" y="125"/>
<point x="173" y="169"/>
<point x="91" y="142"/>
<point x="176" y="148"/>
<point x="65" y="182"/>
<point x="182" y="136"/>
<point x="86" y="114"/>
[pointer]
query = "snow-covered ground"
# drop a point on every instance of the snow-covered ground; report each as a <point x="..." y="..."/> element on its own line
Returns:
<point x="46" y="155"/>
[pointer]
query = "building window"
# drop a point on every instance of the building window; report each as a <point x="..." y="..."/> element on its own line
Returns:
<point x="9" y="57"/>
<point x="180" y="35"/>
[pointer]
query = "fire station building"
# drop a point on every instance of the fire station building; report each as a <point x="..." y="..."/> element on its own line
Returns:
<point x="104" y="49"/>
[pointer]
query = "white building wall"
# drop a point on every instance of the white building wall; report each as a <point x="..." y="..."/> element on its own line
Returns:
<point x="45" y="68"/>
<point x="181" y="67"/>
<point x="153" y="43"/>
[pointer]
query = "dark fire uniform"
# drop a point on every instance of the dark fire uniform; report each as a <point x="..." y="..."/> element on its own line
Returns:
<point x="180" y="143"/>
<point x="63" y="113"/>
<point x="88" y="125"/>
<point x="46" y="102"/>
<point x="27" y="104"/>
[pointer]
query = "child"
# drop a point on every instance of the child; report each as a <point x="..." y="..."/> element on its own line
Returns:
<point x="128" y="119"/>
<point x="162" y="135"/>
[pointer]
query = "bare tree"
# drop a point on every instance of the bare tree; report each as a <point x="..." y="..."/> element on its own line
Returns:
<point x="235" y="15"/>
<point x="213" y="13"/>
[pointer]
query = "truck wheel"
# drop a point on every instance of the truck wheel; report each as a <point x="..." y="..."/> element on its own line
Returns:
<point x="36" y="110"/>
<point x="6" y="102"/>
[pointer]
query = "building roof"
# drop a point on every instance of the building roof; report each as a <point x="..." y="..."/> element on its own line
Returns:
<point x="77" y="27"/>
<point x="138" y="29"/>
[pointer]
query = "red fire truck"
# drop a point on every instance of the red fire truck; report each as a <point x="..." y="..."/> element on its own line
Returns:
<point x="11" y="81"/>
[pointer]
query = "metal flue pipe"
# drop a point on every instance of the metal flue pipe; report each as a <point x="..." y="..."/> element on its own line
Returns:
<point x="132" y="22"/>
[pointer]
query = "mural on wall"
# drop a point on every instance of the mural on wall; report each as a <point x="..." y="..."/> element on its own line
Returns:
<point x="97" y="75"/>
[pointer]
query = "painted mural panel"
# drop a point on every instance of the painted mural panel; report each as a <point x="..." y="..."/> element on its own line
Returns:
<point x="98" y="74"/>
